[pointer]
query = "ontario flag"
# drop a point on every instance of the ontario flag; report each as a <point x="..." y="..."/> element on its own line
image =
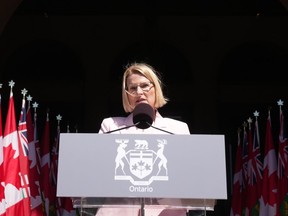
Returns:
<point x="236" y="206"/>
<point x="282" y="204"/>
<point x="24" y="157"/>
<point x="35" y="198"/>
<point x="255" y="169"/>
<point x="268" y="201"/>
<point x="36" y="141"/>
<point x="11" y="167"/>
<point x="2" y="198"/>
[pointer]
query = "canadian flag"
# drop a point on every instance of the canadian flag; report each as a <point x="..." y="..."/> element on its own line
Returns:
<point x="268" y="201"/>
<point x="11" y="169"/>
<point x="2" y="198"/>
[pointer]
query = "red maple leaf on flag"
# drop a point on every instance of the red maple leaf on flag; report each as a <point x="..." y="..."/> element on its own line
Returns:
<point x="11" y="167"/>
<point x="2" y="197"/>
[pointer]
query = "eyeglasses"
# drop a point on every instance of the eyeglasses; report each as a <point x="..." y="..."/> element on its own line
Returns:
<point x="145" y="87"/>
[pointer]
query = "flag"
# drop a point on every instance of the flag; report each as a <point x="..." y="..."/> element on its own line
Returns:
<point x="244" y="169"/>
<point x="67" y="208"/>
<point x="24" y="157"/>
<point x="236" y="203"/>
<point x="268" y="201"/>
<point x="54" y="169"/>
<point x="2" y="198"/>
<point x="282" y="166"/>
<point x="255" y="168"/>
<point x="11" y="168"/>
<point x="36" y="139"/>
<point x="45" y="166"/>
<point x="35" y="198"/>
<point x="66" y="204"/>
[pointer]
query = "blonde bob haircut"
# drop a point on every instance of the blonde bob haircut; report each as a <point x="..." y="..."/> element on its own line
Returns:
<point x="148" y="72"/>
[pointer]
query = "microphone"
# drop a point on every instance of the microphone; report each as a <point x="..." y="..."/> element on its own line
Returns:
<point x="143" y="115"/>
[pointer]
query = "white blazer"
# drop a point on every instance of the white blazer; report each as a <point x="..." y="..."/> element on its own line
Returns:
<point x="166" y="124"/>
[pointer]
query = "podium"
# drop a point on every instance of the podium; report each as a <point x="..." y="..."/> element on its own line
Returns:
<point x="142" y="171"/>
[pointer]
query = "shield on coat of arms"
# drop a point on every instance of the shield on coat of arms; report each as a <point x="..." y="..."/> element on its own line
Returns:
<point x="141" y="163"/>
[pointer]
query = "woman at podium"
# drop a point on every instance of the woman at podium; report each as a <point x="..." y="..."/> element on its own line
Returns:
<point x="142" y="96"/>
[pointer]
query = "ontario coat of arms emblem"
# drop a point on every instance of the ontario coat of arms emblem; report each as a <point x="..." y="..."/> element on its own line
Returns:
<point x="135" y="162"/>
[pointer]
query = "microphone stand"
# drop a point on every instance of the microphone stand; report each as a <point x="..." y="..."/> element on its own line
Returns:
<point x="118" y="129"/>
<point x="150" y="125"/>
<point x="142" y="210"/>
